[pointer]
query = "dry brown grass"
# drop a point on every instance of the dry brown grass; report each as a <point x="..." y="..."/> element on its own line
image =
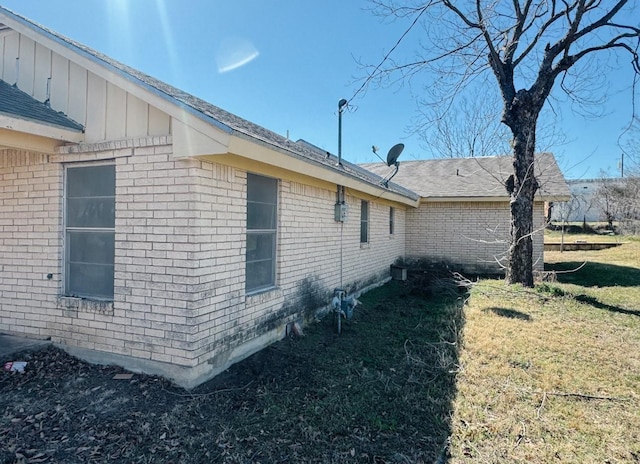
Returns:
<point x="556" y="237"/>
<point x="553" y="374"/>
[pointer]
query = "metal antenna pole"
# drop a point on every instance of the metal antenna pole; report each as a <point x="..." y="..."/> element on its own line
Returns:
<point x="341" y="104"/>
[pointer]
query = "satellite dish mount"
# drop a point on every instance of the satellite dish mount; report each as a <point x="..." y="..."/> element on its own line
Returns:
<point x="392" y="160"/>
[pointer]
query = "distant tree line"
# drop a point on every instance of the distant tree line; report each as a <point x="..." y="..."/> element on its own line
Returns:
<point x="619" y="199"/>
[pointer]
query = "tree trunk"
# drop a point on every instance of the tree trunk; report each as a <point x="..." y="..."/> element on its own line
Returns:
<point x="522" y="188"/>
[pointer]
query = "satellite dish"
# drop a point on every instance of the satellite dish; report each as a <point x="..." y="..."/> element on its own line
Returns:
<point x="394" y="153"/>
<point x="392" y="160"/>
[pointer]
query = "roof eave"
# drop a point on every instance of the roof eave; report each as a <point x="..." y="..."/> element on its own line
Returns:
<point x="28" y="141"/>
<point x="38" y="128"/>
<point x="179" y="108"/>
<point x="292" y="161"/>
<point x="474" y="199"/>
<point x="494" y="199"/>
<point x="559" y="198"/>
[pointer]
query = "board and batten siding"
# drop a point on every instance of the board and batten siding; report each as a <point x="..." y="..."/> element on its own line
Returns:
<point x="106" y="111"/>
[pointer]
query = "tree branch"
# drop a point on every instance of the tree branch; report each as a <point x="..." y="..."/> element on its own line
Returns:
<point x="541" y="32"/>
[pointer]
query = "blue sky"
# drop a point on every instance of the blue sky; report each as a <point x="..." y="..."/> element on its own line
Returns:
<point x="284" y="64"/>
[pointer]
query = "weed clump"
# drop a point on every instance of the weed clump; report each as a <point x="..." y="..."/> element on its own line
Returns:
<point x="550" y="290"/>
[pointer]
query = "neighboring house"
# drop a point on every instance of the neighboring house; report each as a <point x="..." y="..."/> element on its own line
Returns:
<point x="144" y="227"/>
<point x="463" y="218"/>
<point x="584" y="204"/>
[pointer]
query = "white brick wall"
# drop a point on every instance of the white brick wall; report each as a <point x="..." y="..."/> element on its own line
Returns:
<point x="154" y="269"/>
<point x="309" y="244"/>
<point x="179" y="293"/>
<point x="30" y="241"/>
<point x="470" y="235"/>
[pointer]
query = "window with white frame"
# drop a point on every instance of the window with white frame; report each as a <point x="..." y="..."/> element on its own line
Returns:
<point x="90" y="204"/>
<point x="262" y="201"/>
<point x="364" y="221"/>
<point x="392" y="214"/>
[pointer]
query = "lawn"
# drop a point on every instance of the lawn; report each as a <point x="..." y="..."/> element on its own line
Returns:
<point x="555" y="236"/>
<point x="553" y="374"/>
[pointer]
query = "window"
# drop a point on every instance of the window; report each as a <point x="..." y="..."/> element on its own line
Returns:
<point x="262" y="199"/>
<point x="90" y="207"/>
<point x="392" y="214"/>
<point x="364" y="221"/>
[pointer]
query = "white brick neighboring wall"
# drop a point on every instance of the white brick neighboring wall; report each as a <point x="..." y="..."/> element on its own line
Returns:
<point x="469" y="235"/>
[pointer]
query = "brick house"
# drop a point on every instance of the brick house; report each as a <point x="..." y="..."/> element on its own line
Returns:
<point x="464" y="209"/>
<point x="144" y="227"/>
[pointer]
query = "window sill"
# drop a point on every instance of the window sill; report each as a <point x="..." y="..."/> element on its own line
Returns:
<point x="72" y="305"/>
<point x="263" y="295"/>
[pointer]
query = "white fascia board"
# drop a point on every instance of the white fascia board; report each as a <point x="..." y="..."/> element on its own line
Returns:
<point x="553" y="197"/>
<point x="26" y="141"/>
<point x="464" y="199"/>
<point x="208" y="136"/>
<point x="39" y="129"/>
<point x="241" y="146"/>
<point x="537" y="199"/>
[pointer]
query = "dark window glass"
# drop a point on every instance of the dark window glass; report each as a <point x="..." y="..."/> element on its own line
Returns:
<point x="260" y="246"/>
<point x="261" y="189"/>
<point x="90" y="231"/>
<point x="91" y="212"/>
<point x="391" y="221"/>
<point x="90" y="280"/>
<point x="261" y="216"/>
<point x="262" y="213"/>
<point x="260" y="275"/>
<point x="91" y="181"/>
<point x="91" y="247"/>
<point x="364" y="221"/>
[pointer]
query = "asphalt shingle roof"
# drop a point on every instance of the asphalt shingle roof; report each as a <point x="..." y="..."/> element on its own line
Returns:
<point x="16" y="103"/>
<point x="482" y="177"/>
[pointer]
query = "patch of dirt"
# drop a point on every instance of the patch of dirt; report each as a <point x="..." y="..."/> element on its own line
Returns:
<point x="379" y="393"/>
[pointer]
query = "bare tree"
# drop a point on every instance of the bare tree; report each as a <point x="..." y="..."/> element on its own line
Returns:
<point x="468" y="128"/>
<point x="565" y="212"/>
<point x="528" y="45"/>
<point x="630" y="221"/>
<point x="630" y="160"/>
<point x="619" y="200"/>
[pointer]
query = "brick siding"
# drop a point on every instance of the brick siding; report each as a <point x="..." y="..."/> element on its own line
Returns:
<point x="180" y="242"/>
<point x="471" y="236"/>
<point x="30" y="242"/>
